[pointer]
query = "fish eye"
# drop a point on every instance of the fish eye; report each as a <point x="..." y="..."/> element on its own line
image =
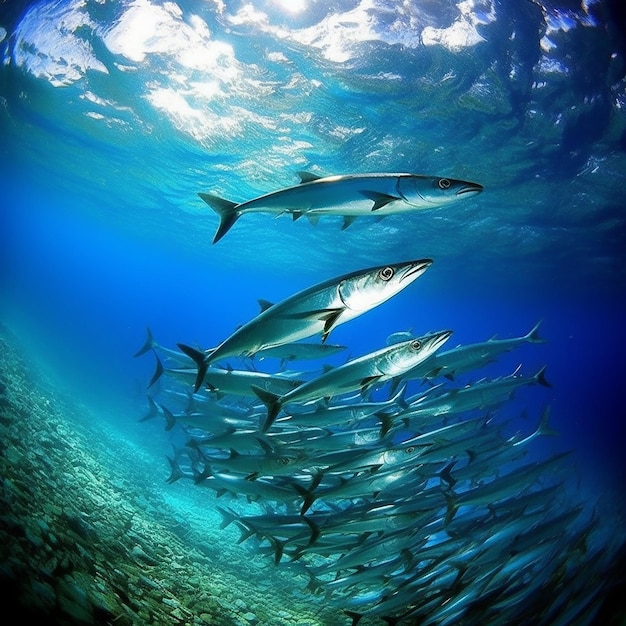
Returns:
<point x="386" y="273"/>
<point x="444" y="183"/>
<point x="410" y="450"/>
<point x="283" y="460"/>
<point x="416" y="344"/>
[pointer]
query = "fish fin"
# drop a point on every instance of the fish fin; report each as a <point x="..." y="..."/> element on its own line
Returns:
<point x="347" y="221"/>
<point x="544" y="427"/>
<point x="314" y="218"/>
<point x="398" y="398"/>
<point x="445" y="474"/>
<point x="228" y="516"/>
<point x="264" y="304"/>
<point x="452" y="508"/>
<point x="307" y="177"/>
<point x="170" y="420"/>
<point x="533" y="334"/>
<point x="307" y="497"/>
<point x="149" y="343"/>
<point x="199" y="360"/>
<point x="315" y="529"/>
<point x="369" y="382"/>
<point x="158" y="370"/>
<point x="153" y="411"/>
<point x="175" y="472"/>
<point x="315" y="314"/>
<point x="271" y="401"/>
<point x="296" y="215"/>
<point x="354" y="616"/>
<point x="226" y="210"/>
<point x="386" y="422"/>
<point x="331" y="321"/>
<point x="541" y="378"/>
<point x="379" y="199"/>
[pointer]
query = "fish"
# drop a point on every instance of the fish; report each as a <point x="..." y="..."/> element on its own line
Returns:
<point x="350" y="196"/>
<point x="468" y="357"/>
<point x="360" y="373"/>
<point x="480" y="395"/>
<point x="299" y="351"/>
<point x="315" y="310"/>
<point x="228" y="381"/>
<point x="427" y="507"/>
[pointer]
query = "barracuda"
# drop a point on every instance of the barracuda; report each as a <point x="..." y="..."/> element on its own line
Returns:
<point x="317" y="309"/>
<point x="350" y="196"/>
<point x="361" y="373"/>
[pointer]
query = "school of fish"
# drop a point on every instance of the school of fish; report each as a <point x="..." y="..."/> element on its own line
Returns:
<point x="394" y="483"/>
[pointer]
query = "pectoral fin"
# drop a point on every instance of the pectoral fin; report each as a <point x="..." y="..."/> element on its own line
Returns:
<point x="379" y="199"/>
<point x="331" y="321"/>
<point x="368" y="382"/>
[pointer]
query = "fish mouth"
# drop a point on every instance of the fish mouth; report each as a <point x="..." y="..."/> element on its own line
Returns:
<point x="417" y="266"/>
<point x="439" y="338"/>
<point x="472" y="188"/>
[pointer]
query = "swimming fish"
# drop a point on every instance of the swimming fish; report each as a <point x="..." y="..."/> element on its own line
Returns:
<point x="317" y="309"/>
<point x="350" y="196"/>
<point x="360" y="373"/>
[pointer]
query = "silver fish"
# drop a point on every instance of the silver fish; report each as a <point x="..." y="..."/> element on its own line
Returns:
<point x="317" y="309"/>
<point x="351" y="196"/>
<point x="360" y="373"/>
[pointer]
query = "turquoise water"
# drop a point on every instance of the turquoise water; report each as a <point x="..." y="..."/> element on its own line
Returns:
<point x="115" y="115"/>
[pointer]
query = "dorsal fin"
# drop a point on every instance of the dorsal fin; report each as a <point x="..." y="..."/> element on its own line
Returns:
<point x="264" y="304"/>
<point x="307" y="177"/>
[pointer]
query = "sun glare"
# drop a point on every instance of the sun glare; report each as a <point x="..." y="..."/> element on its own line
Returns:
<point x="292" y="6"/>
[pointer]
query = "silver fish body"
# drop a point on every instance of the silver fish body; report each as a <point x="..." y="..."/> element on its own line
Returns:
<point x="360" y="373"/>
<point x="350" y="196"/>
<point x="316" y="310"/>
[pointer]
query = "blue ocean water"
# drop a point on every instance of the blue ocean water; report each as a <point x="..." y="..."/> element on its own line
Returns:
<point x="114" y="115"/>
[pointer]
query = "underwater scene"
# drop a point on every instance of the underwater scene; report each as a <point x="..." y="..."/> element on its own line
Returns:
<point x="312" y="313"/>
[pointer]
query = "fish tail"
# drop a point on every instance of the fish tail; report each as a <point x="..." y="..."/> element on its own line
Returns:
<point x="199" y="359"/>
<point x="158" y="370"/>
<point x="452" y="508"/>
<point x="228" y="517"/>
<point x="148" y="344"/>
<point x="445" y="474"/>
<point x="271" y="401"/>
<point x="533" y="334"/>
<point x="315" y="530"/>
<point x="226" y="210"/>
<point x="170" y="420"/>
<point x="386" y="422"/>
<point x="175" y="471"/>
<point x="153" y="410"/>
<point x="354" y="616"/>
<point x="544" y="428"/>
<point x="307" y="497"/>
<point x="540" y="377"/>
<point x="398" y="398"/>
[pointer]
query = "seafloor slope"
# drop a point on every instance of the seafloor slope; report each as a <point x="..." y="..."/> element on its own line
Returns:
<point x="87" y="538"/>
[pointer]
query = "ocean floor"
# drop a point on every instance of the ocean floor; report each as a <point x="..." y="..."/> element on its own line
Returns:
<point x="87" y="537"/>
